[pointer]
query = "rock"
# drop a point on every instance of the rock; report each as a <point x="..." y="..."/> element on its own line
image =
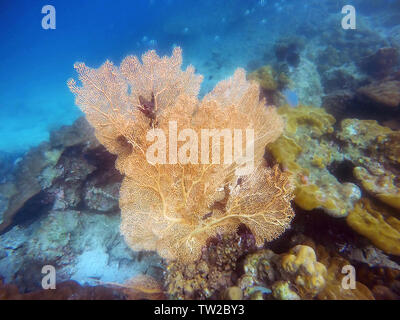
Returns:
<point x="385" y="93"/>
<point x="373" y="257"/>
<point x="56" y="172"/>
<point x="79" y="133"/>
<point x="84" y="247"/>
<point x="307" y="82"/>
<point x="68" y="290"/>
<point x="381" y="63"/>
<point x="35" y="172"/>
<point x="339" y="104"/>
<point x="341" y="78"/>
<point x="101" y="190"/>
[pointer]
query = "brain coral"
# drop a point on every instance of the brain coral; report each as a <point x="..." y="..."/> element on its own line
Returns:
<point x="175" y="208"/>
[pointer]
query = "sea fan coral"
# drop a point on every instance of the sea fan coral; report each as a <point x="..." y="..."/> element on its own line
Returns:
<point x="176" y="201"/>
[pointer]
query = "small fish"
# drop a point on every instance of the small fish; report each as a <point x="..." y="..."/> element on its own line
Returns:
<point x="262" y="289"/>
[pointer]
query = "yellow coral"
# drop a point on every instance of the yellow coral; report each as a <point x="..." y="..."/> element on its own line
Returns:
<point x="391" y="147"/>
<point x="321" y="161"/>
<point x="310" y="197"/>
<point x="174" y="208"/>
<point x="285" y="151"/>
<point x="382" y="186"/>
<point x="281" y="291"/>
<point x="382" y="229"/>
<point x="302" y="150"/>
<point x="376" y="152"/>
<point x="361" y="133"/>
<point x="317" y="120"/>
<point x="308" y="274"/>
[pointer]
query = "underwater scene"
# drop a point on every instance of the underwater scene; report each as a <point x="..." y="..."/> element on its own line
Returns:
<point x="200" y="150"/>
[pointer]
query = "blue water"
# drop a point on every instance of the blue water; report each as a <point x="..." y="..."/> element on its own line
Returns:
<point x="291" y="97"/>
<point x="217" y="36"/>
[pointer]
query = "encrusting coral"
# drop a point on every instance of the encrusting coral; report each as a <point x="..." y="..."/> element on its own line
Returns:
<point x="307" y="271"/>
<point x="376" y="224"/>
<point x="174" y="206"/>
<point x="306" y="150"/>
<point x="293" y="275"/>
<point x="375" y="152"/>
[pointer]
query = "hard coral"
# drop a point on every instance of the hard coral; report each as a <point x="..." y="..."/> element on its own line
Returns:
<point x="374" y="150"/>
<point x="376" y="224"/>
<point x="209" y="276"/>
<point x="301" y="266"/>
<point x="306" y="150"/>
<point x="382" y="186"/>
<point x="289" y="276"/>
<point x="175" y="208"/>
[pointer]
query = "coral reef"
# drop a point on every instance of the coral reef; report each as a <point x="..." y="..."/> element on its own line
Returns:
<point x="291" y="276"/>
<point x="371" y="151"/>
<point x="385" y="282"/>
<point x="334" y="289"/>
<point x="374" y="151"/>
<point x="212" y="275"/>
<point x="301" y="266"/>
<point x="301" y="273"/>
<point x="323" y="196"/>
<point x="39" y="170"/>
<point x="176" y="208"/>
<point x="306" y="150"/>
<point x="310" y="150"/>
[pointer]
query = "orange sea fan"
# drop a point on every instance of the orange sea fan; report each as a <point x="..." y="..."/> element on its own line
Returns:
<point x="175" y="207"/>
